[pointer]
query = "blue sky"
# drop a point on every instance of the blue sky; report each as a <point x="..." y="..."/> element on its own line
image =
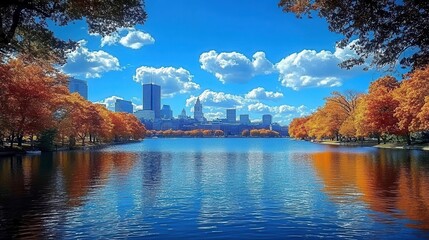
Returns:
<point x="247" y="55"/>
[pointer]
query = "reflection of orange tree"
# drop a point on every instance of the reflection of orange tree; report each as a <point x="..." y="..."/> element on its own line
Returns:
<point x="385" y="185"/>
<point x="35" y="98"/>
<point x="81" y="170"/>
<point x="389" y="108"/>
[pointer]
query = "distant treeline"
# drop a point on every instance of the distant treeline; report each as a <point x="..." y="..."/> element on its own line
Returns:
<point x="210" y="133"/>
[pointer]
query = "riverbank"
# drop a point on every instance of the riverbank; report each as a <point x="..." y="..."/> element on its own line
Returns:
<point x="423" y="147"/>
<point x="6" y="151"/>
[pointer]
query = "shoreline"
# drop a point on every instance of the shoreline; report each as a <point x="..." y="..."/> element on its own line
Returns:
<point x="19" y="152"/>
<point x="402" y="146"/>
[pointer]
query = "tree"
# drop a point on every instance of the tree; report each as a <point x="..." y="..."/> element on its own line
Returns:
<point x="24" y="24"/>
<point x="29" y="97"/>
<point x="297" y="128"/>
<point x="411" y="99"/>
<point x="384" y="30"/>
<point x="245" y="133"/>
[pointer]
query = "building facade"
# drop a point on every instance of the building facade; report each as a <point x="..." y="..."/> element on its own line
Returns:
<point x="244" y="119"/>
<point x="152" y="99"/>
<point x="79" y="86"/>
<point x="231" y="115"/>
<point x="123" y="106"/>
<point x="267" y="119"/>
<point x="166" y="112"/>
<point x="198" y="111"/>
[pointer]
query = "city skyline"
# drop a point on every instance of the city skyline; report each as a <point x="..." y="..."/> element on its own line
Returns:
<point x="244" y="55"/>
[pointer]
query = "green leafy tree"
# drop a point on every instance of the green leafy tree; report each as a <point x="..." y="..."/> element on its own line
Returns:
<point x="386" y="30"/>
<point x="24" y="23"/>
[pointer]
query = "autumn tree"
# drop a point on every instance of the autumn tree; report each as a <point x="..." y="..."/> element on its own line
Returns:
<point x="381" y="106"/>
<point x="245" y="133"/>
<point x="297" y="128"/>
<point x="218" y="133"/>
<point x="411" y="97"/>
<point x="383" y="30"/>
<point x="24" y="25"/>
<point x="28" y="99"/>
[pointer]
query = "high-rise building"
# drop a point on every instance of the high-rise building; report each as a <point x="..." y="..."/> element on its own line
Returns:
<point x="267" y="119"/>
<point x="244" y="119"/>
<point x="198" y="111"/>
<point x="152" y="98"/>
<point x="166" y="112"/>
<point x="183" y="114"/>
<point x="79" y="86"/>
<point x="123" y="106"/>
<point x="231" y="115"/>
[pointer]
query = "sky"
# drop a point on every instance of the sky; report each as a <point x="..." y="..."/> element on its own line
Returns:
<point x="244" y="54"/>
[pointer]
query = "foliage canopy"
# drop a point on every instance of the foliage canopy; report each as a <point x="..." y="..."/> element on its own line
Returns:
<point x="386" y="30"/>
<point x="24" y="24"/>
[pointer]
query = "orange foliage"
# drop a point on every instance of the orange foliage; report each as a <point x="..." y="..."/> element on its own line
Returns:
<point x="297" y="128"/>
<point x="411" y="98"/>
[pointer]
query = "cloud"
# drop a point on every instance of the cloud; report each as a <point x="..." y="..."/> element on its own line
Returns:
<point x="109" y="102"/>
<point x="309" y="68"/>
<point x="172" y="80"/>
<point x="281" y="109"/>
<point x="136" y="39"/>
<point x="233" y="67"/>
<point x="89" y="64"/>
<point x="217" y="99"/>
<point x="214" y="115"/>
<point x="110" y="39"/>
<point x="260" y="94"/>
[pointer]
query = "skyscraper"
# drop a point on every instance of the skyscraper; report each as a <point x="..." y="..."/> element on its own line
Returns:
<point x="267" y="119"/>
<point x="79" y="86"/>
<point x="198" y="111"/>
<point x="166" y="112"/>
<point x="123" y="106"/>
<point x="244" y="119"/>
<point x="231" y="115"/>
<point x="152" y="98"/>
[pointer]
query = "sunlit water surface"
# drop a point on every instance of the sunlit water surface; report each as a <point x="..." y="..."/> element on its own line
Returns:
<point x="216" y="188"/>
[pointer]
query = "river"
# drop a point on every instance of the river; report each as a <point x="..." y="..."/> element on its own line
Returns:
<point x="193" y="188"/>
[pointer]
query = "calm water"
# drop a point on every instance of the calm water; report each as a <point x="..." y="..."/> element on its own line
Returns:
<point x="217" y="188"/>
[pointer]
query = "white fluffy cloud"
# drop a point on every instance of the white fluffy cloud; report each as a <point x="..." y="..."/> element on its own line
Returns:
<point x="136" y="39"/>
<point x="260" y="93"/>
<point x="235" y="67"/>
<point x="309" y="68"/>
<point x="281" y="109"/>
<point x="172" y="80"/>
<point x="109" y="102"/>
<point x="89" y="64"/>
<point x="217" y="99"/>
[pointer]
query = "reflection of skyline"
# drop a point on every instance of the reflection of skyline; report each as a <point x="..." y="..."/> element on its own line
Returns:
<point x="387" y="181"/>
<point x="145" y="193"/>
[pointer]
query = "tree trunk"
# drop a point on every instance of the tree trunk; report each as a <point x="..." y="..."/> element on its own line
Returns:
<point x="408" y="136"/>
<point x="19" y="138"/>
<point x="11" y="139"/>
<point x="83" y="141"/>
<point x="378" y="139"/>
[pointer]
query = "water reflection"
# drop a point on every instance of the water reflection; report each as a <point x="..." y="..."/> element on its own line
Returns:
<point x="391" y="182"/>
<point x="37" y="191"/>
<point x="206" y="193"/>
